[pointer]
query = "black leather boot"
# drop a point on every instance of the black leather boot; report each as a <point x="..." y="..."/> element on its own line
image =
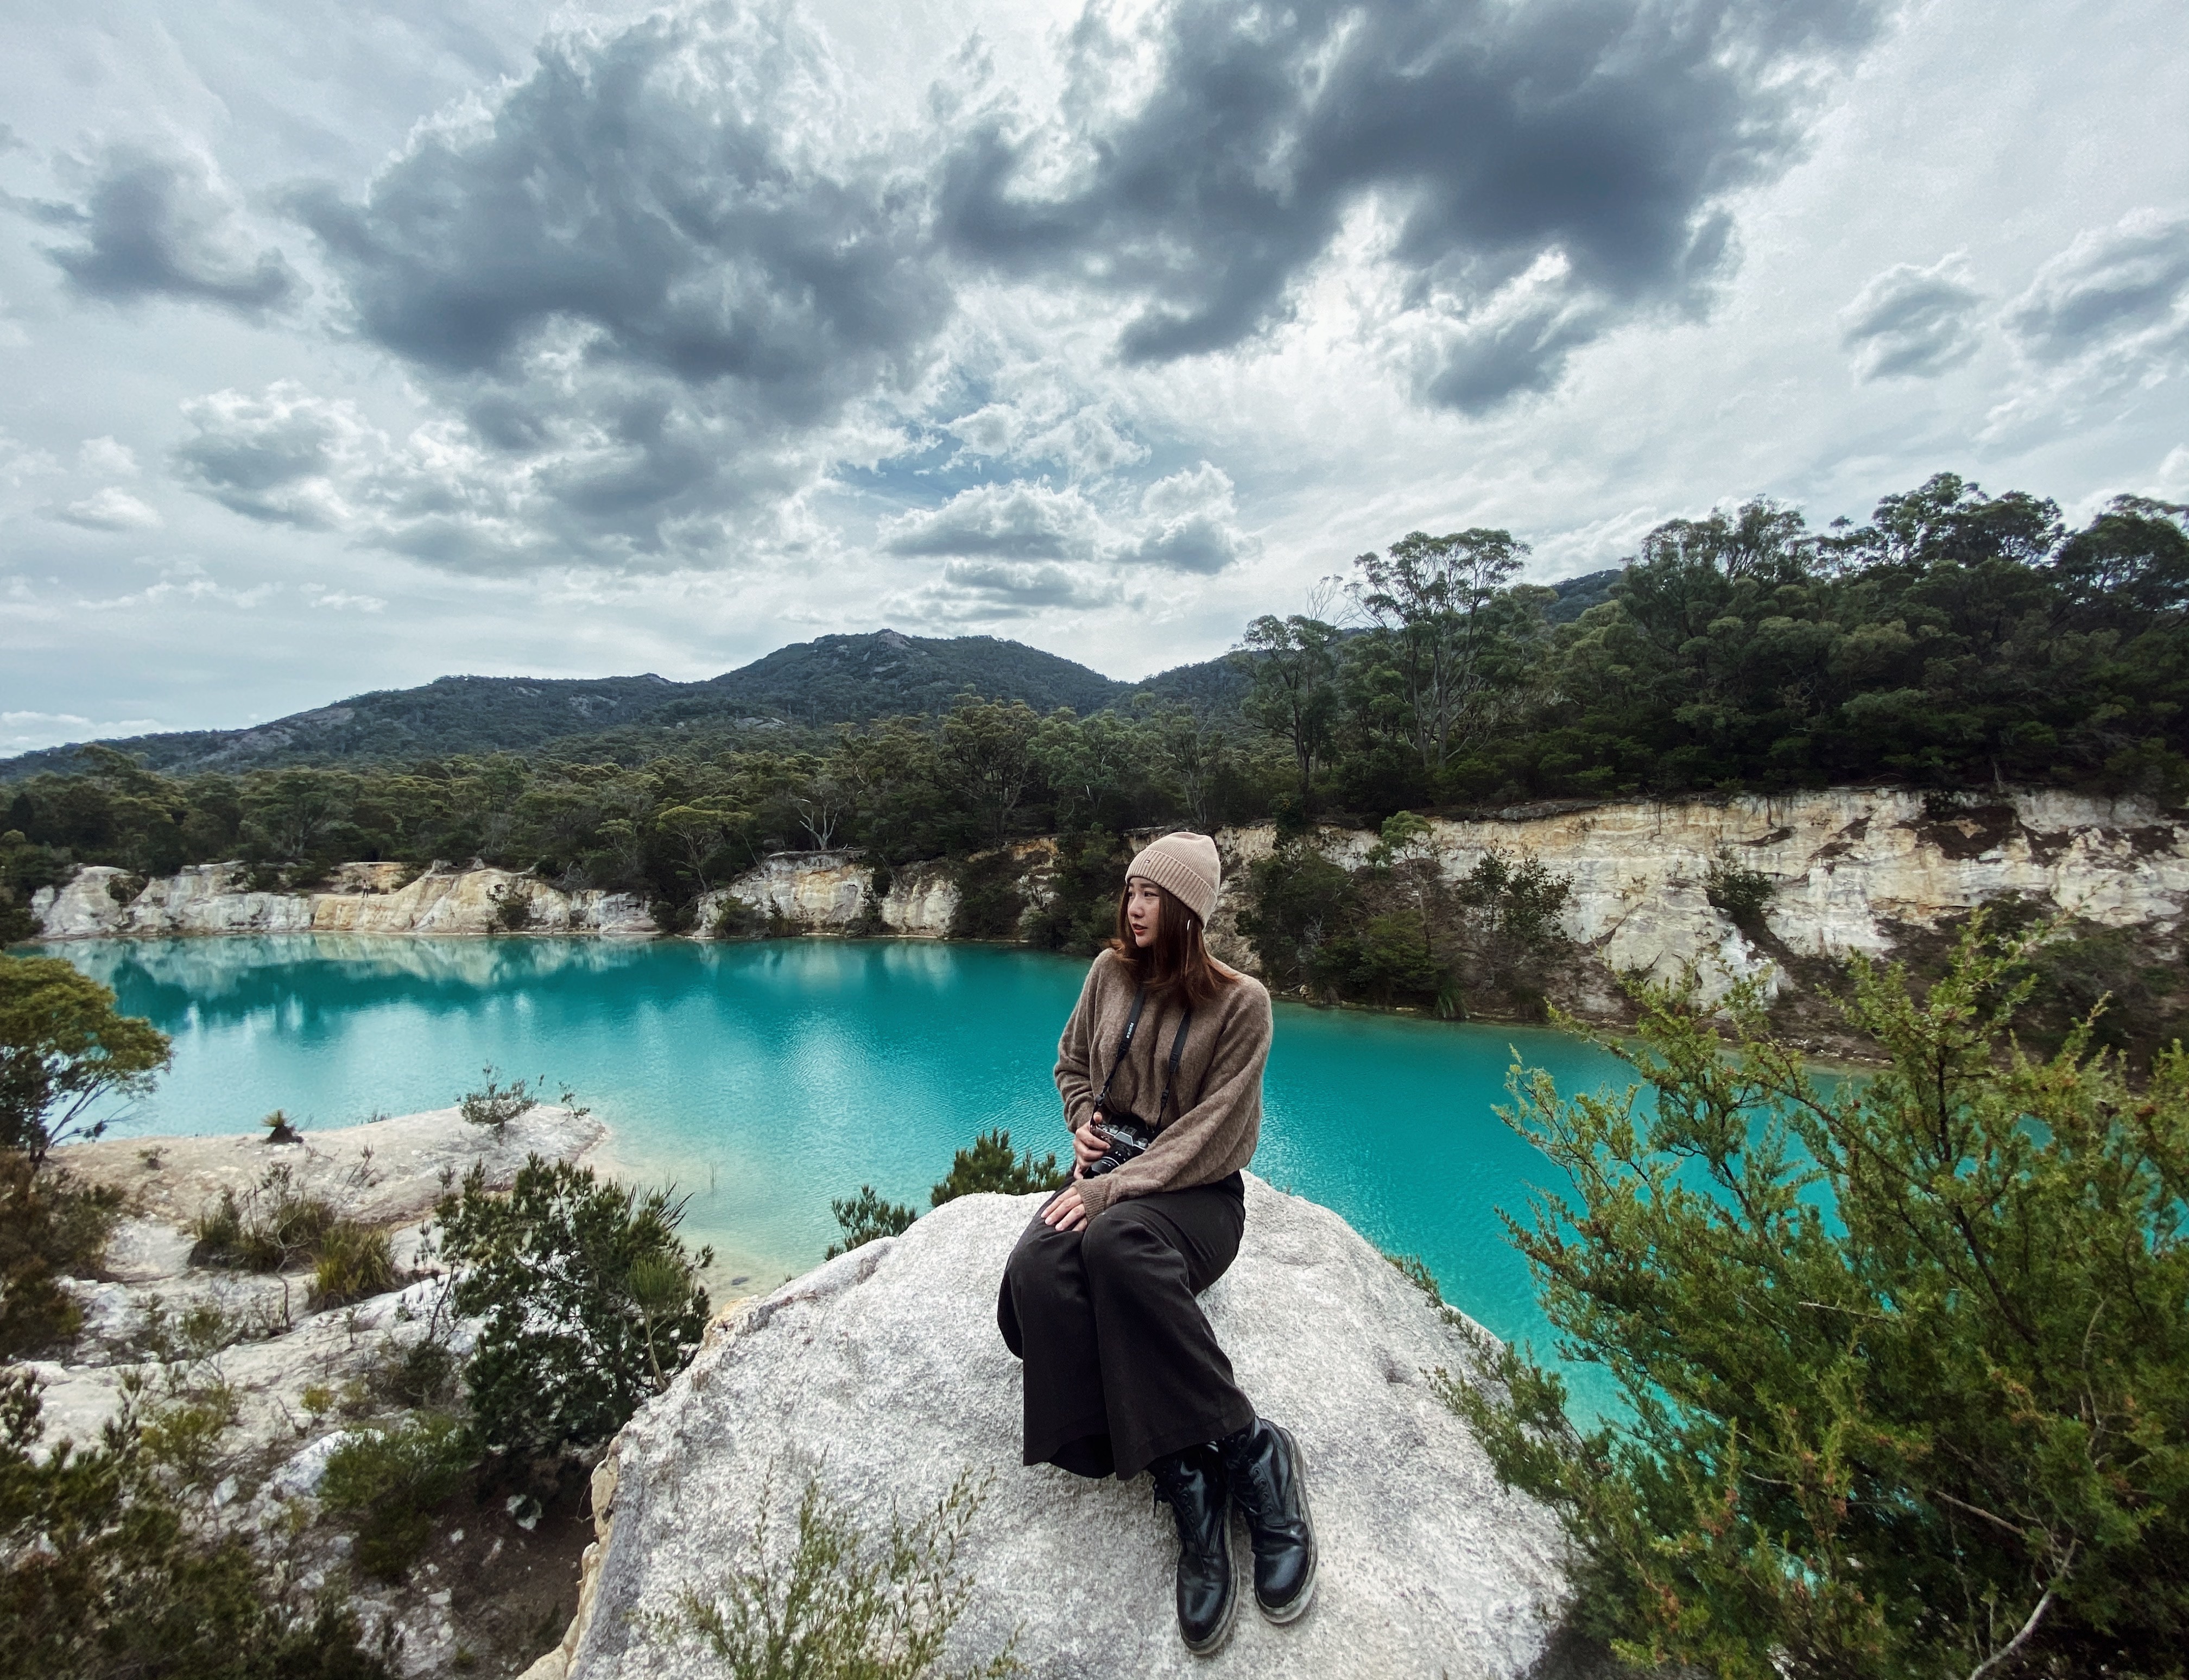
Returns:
<point x="1269" y="1480"/>
<point x="1192" y="1484"/>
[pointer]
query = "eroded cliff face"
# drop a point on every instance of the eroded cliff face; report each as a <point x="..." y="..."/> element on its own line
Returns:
<point x="209" y="898"/>
<point x="1851" y="870"/>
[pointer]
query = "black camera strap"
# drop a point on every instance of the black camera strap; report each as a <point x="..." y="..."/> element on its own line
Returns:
<point x="1125" y="1043"/>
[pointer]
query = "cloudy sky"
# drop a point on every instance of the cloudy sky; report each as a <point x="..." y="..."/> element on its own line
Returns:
<point x="346" y="344"/>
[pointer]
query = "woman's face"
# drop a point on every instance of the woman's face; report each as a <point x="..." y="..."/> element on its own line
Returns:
<point x="1143" y="910"/>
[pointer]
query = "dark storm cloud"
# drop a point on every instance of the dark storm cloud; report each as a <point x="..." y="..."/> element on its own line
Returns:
<point x="1594" y="135"/>
<point x="2116" y="283"/>
<point x="1911" y="322"/>
<point x="155" y="226"/>
<point x="665" y="194"/>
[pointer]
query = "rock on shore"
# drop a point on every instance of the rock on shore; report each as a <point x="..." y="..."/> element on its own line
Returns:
<point x="882" y="1375"/>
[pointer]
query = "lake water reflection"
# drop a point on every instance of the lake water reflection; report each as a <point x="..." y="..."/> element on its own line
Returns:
<point x="765" y="1079"/>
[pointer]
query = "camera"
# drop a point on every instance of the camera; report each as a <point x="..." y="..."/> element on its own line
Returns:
<point x="1127" y="1135"/>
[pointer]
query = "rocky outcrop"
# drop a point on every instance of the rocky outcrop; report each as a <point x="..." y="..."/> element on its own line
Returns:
<point x="1851" y="870"/>
<point x="297" y="1383"/>
<point x="210" y="898"/>
<point x="833" y="892"/>
<point x="881" y="1375"/>
<point x="386" y="1173"/>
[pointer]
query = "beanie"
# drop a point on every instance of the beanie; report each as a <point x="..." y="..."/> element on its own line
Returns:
<point x="1185" y="865"/>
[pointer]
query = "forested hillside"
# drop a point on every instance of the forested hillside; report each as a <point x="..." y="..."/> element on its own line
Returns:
<point x="1956" y="640"/>
<point x="836" y="679"/>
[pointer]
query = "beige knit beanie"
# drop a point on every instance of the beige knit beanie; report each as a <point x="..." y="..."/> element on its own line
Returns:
<point x="1185" y="865"/>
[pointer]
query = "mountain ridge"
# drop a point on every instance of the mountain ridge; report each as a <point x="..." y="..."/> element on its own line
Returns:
<point x="805" y="685"/>
<point x="802" y="686"/>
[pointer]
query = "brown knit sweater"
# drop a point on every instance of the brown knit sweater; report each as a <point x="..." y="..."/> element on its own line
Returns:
<point x="1215" y="1115"/>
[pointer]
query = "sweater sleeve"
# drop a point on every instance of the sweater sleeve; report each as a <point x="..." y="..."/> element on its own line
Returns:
<point x="1222" y="1128"/>
<point x="1075" y="1053"/>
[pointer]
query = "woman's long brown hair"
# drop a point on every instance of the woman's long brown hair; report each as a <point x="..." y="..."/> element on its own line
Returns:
<point x="1176" y="960"/>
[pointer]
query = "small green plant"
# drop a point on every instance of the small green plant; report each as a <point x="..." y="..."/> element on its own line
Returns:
<point x="355" y="1261"/>
<point x="513" y="909"/>
<point x="104" y="1570"/>
<point x="736" y="918"/>
<point x="581" y="1319"/>
<point x="387" y="1483"/>
<point x="279" y="1128"/>
<point x="271" y="1227"/>
<point x="866" y="1217"/>
<point x="839" y="1601"/>
<point x="1737" y="890"/>
<point x="494" y="1105"/>
<point x="990" y="1165"/>
<point x="51" y="1227"/>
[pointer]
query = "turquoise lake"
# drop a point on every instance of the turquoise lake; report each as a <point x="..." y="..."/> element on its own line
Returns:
<point x="764" y="1079"/>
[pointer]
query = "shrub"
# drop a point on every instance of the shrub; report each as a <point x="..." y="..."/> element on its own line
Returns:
<point x="838" y="1601"/>
<point x="101" y="1573"/>
<point x="1081" y="914"/>
<point x="989" y="900"/>
<point x="388" y="1482"/>
<point x="278" y="1128"/>
<point x="1296" y="898"/>
<point x="866" y="1217"/>
<point x="990" y="1165"/>
<point x="735" y="919"/>
<point x="1907" y="1361"/>
<point x="512" y="908"/>
<point x="355" y="1261"/>
<point x="495" y="1104"/>
<point x="271" y="1227"/>
<point x="1738" y="891"/>
<point x="567" y="1273"/>
<point x="50" y="1228"/>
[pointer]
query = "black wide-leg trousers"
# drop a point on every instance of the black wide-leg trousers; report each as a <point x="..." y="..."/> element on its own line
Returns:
<point x="1121" y="1365"/>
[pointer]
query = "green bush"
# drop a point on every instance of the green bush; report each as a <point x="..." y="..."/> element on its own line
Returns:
<point x="104" y="1577"/>
<point x="494" y="1105"/>
<point x="51" y="1227"/>
<point x="387" y="1483"/>
<point x="1296" y="898"/>
<point x="271" y="1227"/>
<point x="355" y="1261"/>
<point x="990" y="899"/>
<point x="866" y="1217"/>
<point x="990" y="1165"/>
<point x="735" y="919"/>
<point x="841" y="1602"/>
<point x="1906" y="1359"/>
<point x="567" y="1273"/>
<point x="1739" y="891"/>
<point x="1080" y="915"/>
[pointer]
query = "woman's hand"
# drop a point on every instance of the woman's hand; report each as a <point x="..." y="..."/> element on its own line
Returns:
<point x="1067" y="1211"/>
<point x="1088" y="1146"/>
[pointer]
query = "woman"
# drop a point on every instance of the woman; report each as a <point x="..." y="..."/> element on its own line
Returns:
<point x="1122" y="1371"/>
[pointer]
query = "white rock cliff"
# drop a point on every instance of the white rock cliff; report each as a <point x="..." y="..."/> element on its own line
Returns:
<point x="1854" y="868"/>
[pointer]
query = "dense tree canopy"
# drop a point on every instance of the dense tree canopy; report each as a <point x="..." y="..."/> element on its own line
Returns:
<point x="1956" y="640"/>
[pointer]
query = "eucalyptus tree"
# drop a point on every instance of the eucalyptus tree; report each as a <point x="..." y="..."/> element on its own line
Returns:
<point x="1292" y="664"/>
<point x="1441" y="616"/>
